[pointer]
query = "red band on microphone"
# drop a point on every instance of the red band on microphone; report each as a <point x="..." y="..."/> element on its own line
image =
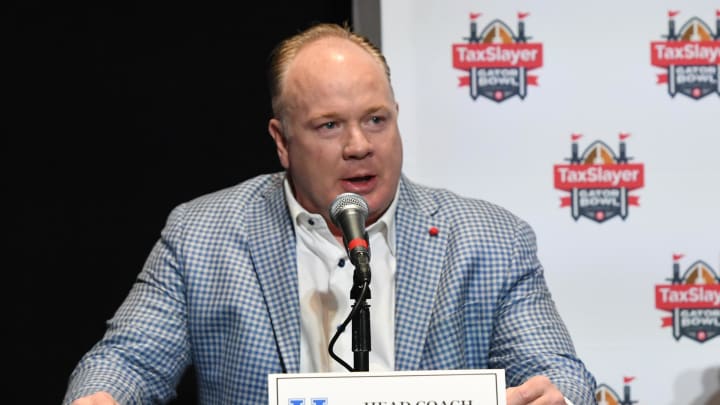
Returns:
<point x="357" y="242"/>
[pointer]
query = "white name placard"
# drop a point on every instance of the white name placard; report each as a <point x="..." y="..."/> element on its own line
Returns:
<point x="437" y="387"/>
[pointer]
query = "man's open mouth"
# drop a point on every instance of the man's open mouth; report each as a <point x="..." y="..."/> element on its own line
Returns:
<point x="359" y="179"/>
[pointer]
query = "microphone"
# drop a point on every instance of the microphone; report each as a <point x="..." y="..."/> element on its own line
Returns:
<point x="349" y="211"/>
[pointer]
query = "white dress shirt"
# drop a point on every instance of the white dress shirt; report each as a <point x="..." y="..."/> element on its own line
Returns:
<point x="325" y="278"/>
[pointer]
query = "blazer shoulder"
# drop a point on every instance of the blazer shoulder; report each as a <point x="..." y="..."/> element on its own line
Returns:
<point x="456" y="208"/>
<point x="473" y="221"/>
<point x="229" y="204"/>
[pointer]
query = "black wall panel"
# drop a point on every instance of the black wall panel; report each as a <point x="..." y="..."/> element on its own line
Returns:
<point x="118" y="111"/>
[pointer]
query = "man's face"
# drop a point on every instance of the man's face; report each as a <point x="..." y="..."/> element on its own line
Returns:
<point x="339" y="129"/>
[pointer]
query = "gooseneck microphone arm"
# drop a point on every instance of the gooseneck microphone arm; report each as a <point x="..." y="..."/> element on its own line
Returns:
<point x="349" y="212"/>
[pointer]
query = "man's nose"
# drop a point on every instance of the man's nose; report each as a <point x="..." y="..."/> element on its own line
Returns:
<point x="357" y="144"/>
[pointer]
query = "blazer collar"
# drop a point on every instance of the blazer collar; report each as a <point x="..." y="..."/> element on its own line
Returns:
<point x="271" y="242"/>
<point x="421" y="245"/>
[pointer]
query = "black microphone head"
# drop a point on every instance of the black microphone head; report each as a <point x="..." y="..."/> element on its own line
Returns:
<point x="349" y="211"/>
<point x="345" y="202"/>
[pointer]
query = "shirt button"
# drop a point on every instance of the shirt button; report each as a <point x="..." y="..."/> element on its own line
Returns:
<point x="341" y="263"/>
<point x="311" y="222"/>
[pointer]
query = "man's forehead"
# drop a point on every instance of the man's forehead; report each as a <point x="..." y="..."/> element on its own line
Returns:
<point x="330" y="49"/>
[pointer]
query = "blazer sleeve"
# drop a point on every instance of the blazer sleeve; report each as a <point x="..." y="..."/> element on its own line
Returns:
<point x="529" y="337"/>
<point x="145" y="349"/>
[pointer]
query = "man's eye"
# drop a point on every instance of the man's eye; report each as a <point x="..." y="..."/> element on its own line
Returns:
<point x="329" y="125"/>
<point x="377" y="119"/>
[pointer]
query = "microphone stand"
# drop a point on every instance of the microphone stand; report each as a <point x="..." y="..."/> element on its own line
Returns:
<point x="360" y="292"/>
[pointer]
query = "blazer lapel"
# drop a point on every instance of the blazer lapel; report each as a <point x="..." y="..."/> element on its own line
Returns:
<point x="420" y="254"/>
<point x="272" y="249"/>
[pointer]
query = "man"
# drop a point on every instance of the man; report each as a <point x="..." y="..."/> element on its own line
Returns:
<point x="246" y="281"/>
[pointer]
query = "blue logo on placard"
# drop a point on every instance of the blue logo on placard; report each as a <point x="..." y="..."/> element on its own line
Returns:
<point x="313" y="401"/>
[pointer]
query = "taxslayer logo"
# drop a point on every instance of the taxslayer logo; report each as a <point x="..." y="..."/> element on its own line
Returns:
<point x="605" y="395"/>
<point x="497" y="60"/>
<point x="691" y="57"/>
<point x="598" y="181"/>
<point x="693" y="300"/>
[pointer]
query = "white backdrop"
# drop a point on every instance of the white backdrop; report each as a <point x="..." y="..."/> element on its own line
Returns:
<point x="596" y="80"/>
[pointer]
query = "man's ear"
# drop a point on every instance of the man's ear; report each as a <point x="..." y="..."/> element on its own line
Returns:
<point x="276" y="131"/>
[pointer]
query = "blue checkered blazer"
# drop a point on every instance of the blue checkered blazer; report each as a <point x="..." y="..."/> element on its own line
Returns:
<point x="219" y="291"/>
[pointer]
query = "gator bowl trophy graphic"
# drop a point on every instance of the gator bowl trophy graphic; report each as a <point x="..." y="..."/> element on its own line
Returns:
<point x="691" y="57"/>
<point x="693" y="300"/>
<point x="598" y="181"/>
<point x="607" y="396"/>
<point x="496" y="60"/>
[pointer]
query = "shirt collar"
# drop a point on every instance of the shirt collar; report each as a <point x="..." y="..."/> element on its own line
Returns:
<point x="385" y="225"/>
